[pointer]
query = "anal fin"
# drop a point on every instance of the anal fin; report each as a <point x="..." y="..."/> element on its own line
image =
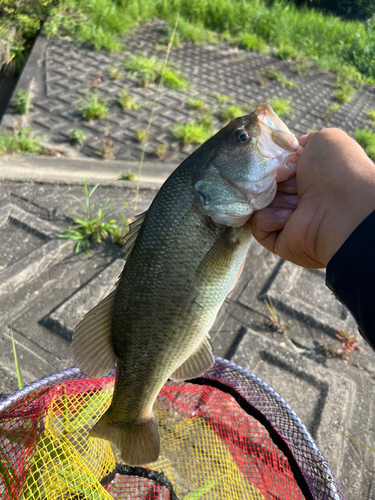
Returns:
<point x="199" y="362"/>
<point x="92" y="342"/>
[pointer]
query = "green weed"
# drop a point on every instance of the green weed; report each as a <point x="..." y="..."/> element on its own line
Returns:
<point x="22" y="141"/>
<point x="370" y="114"/>
<point x="282" y="107"/>
<point x="114" y="73"/>
<point x="197" y="104"/>
<point x="344" y="94"/>
<point x="149" y="70"/>
<point x="93" y="108"/>
<point x="366" y="138"/>
<point x="77" y="136"/>
<point x="128" y="176"/>
<point x="222" y="98"/>
<point x="330" y="110"/>
<point x="21" y="102"/>
<point x="274" y="74"/>
<point x="191" y="32"/>
<point x="126" y="101"/>
<point x="274" y="318"/>
<point x="161" y="151"/>
<point x="92" y="226"/>
<point x="192" y="132"/>
<point x="302" y="66"/>
<point x="287" y="51"/>
<point x="141" y="135"/>
<point x="18" y="371"/>
<point x="253" y="42"/>
<point x="230" y="113"/>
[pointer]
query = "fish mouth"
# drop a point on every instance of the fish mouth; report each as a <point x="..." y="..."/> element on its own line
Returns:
<point x="275" y="137"/>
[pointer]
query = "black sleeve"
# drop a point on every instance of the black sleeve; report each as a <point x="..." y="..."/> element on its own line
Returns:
<point x="351" y="276"/>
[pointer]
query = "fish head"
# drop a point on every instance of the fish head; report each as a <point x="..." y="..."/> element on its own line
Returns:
<point x="245" y="160"/>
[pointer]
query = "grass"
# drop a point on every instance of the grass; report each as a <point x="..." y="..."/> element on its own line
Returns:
<point x="222" y="98"/>
<point x="197" y="104"/>
<point x="91" y="225"/>
<point x="366" y="138"/>
<point x="302" y="66"/>
<point x="114" y="73"/>
<point x="330" y="110"/>
<point x="370" y="114"/>
<point x="149" y="70"/>
<point x="192" y="132"/>
<point x="22" y="141"/>
<point x="276" y="75"/>
<point x="128" y="176"/>
<point x="344" y="95"/>
<point x="282" y="107"/>
<point x="21" y="101"/>
<point x="77" y="136"/>
<point x="106" y="150"/>
<point x="141" y="134"/>
<point x="126" y="101"/>
<point x="191" y="32"/>
<point x="253" y="42"/>
<point x="162" y="150"/>
<point x="93" y="108"/>
<point x="230" y="113"/>
<point x="18" y="371"/>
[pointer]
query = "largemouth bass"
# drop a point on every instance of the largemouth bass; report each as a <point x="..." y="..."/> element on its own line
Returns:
<point x="183" y="256"/>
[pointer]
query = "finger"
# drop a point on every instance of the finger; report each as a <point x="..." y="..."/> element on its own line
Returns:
<point x="289" y="186"/>
<point x="304" y="139"/>
<point x="283" y="200"/>
<point x="269" y="220"/>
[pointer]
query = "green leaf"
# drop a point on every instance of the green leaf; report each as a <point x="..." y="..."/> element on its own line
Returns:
<point x="18" y="371"/>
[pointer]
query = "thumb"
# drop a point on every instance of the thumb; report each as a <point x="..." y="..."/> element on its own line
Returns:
<point x="267" y="223"/>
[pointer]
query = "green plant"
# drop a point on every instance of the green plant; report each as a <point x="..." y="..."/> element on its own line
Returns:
<point x="343" y="96"/>
<point x="191" y="132"/>
<point x="230" y="112"/>
<point x="149" y="70"/>
<point x="90" y="226"/>
<point x="330" y="110"/>
<point x="287" y="51"/>
<point x="197" y="104"/>
<point x="93" y="108"/>
<point x="206" y="120"/>
<point x="18" y="371"/>
<point x="141" y="134"/>
<point x="251" y="41"/>
<point x="366" y="138"/>
<point x="106" y="151"/>
<point x="114" y="73"/>
<point x="191" y="32"/>
<point x="370" y="114"/>
<point x="77" y="136"/>
<point x="282" y="107"/>
<point x="302" y="66"/>
<point x="21" y="141"/>
<point x="126" y="101"/>
<point x="161" y="150"/>
<point x="21" y="102"/>
<point x="274" y="319"/>
<point x="222" y="98"/>
<point x="129" y="176"/>
<point x="274" y="74"/>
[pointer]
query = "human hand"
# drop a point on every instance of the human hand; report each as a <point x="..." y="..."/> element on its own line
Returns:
<point x="315" y="212"/>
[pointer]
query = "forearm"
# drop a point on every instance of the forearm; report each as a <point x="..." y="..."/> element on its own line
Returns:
<point x="351" y="276"/>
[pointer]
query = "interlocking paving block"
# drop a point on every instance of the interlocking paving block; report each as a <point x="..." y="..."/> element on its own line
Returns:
<point x="66" y="317"/>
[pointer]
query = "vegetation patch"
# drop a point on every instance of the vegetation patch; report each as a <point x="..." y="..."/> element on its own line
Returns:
<point x="149" y="70"/>
<point x="330" y="110"/>
<point x="141" y="135"/>
<point x="21" y="101"/>
<point x="250" y="41"/>
<point x="282" y="107"/>
<point x="22" y="141"/>
<point x="77" y="136"/>
<point x="197" y="104"/>
<point x="222" y="98"/>
<point x="230" y="113"/>
<point x="192" y="132"/>
<point x="114" y="73"/>
<point x="366" y="138"/>
<point x="93" y="108"/>
<point x="370" y="114"/>
<point x="276" y="75"/>
<point x="190" y="32"/>
<point x="128" y="176"/>
<point x="126" y="101"/>
<point x="161" y="150"/>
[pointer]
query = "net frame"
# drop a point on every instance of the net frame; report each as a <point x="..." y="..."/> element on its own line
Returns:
<point x="261" y="400"/>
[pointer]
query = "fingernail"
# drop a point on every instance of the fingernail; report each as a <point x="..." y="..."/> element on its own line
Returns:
<point x="283" y="213"/>
<point x="291" y="182"/>
<point x="292" y="199"/>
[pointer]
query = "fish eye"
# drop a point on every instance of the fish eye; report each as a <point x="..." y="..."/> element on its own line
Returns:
<point x="242" y="136"/>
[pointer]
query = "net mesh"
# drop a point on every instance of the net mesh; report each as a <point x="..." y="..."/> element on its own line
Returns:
<point x="224" y="436"/>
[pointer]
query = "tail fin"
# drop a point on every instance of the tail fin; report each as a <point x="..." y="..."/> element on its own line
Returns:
<point x="139" y="443"/>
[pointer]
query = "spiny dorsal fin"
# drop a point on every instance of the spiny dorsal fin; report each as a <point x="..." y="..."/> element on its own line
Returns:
<point x="199" y="362"/>
<point x="92" y="342"/>
<point x="132" y="234"/>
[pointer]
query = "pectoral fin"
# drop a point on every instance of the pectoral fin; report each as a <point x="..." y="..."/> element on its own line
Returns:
<point x="199" y="362"/>
<point x="92" y="342"/>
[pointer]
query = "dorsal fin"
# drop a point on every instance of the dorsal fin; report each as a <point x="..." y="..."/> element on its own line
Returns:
<point x="199" y="362"/>
<point x="92" y="341"/>
<point x="132" y="234"/>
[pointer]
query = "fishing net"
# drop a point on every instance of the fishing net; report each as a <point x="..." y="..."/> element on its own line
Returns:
<point x="226" y="435"/>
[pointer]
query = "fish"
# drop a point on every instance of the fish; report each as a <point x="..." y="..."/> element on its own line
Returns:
<point x="183" y="256"/>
